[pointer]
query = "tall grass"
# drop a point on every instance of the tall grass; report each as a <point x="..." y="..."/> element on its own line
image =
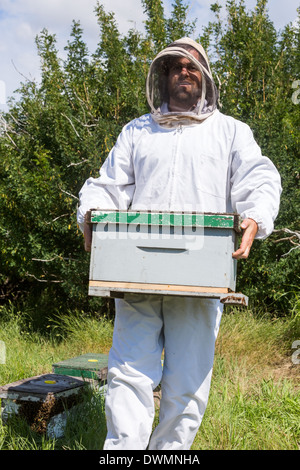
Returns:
<point x="263" y="417"/>
<point x="30" y="352"/>
<point x="254" y="401"/>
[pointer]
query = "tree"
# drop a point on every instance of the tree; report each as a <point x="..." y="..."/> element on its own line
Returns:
<point x="60" y="131"/>
<point x="52" y="139"/>
<point x="256" y="67"/>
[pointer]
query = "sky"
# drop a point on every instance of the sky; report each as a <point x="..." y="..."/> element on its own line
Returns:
<point x="22" y="20"/>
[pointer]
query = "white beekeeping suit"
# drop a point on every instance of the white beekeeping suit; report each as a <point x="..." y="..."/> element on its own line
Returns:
<point x="199" y="160"/>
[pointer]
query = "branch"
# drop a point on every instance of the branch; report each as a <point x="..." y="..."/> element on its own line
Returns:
<point x="293" y="235"/>
<point x="84" y="103"/>
<point x="22" y="75"/>
<point x="12" y="141"/>
<point x="43" y="280"/>
<point x="294" y="248"/>
<point x="79" y="163"/>
<point x="287" y="230"/>
<point x="6" y="128"/>
<point x="46" y="260"/>
<point x="72" y="126"/>
<point x="56" y="218"/>
<point x="19" y="124"/>
<point x="69" y="194"/>
<point x="53" y="259"/>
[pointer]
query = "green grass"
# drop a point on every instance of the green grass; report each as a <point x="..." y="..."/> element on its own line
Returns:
<point x="254" y="401"/>
<point x="266" y="417"/>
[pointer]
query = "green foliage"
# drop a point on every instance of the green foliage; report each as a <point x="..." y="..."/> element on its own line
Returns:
<point x="178" y="25"/>
<point x="52" y="139"/>
<point x="60" y="131"/>
<point x="256" y="66"/>
<point x="155" y="23"/>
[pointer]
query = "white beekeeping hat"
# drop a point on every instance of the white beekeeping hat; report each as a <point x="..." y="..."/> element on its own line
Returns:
<point x="156" y="85"/>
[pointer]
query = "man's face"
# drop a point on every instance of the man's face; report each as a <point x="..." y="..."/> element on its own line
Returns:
<point x="184" y="84"/>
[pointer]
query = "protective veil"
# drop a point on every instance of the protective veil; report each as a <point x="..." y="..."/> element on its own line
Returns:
<point x="157" y="87"/>
<point x="199" y="161"/>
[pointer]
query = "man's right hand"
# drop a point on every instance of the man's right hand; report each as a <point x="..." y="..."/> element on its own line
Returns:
<point x="87" y="233"/>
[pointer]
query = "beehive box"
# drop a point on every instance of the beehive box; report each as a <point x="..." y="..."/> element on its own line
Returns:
<point x="163" y="253"/>
<point x="42" y="401"/>
<point x="87" y="366"/>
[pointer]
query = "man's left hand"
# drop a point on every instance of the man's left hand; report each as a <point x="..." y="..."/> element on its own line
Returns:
<point x="250" y="228"/>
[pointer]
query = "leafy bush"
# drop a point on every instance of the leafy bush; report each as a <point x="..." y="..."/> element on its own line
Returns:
<point x="60" y="131"/>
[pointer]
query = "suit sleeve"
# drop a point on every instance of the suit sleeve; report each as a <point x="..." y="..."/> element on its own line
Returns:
<point x="115" y="186"/>
<point x="255" y="182"/>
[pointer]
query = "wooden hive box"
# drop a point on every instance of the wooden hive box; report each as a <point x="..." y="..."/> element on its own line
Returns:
<point x="42" y="401"/>
<point x="186" y="254"/>
<point x="87" y="366"/>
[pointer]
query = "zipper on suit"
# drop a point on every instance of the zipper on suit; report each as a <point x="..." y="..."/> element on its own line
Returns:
<point x="178" y="134"/>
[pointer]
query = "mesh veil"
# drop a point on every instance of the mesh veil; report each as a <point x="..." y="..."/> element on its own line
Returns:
<point x="157" y="90"/>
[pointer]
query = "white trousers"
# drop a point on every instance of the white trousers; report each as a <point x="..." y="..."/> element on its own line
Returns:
<point x="186" y="328"/>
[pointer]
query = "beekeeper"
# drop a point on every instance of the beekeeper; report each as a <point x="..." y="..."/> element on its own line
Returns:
<point x="185" y="155"/>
